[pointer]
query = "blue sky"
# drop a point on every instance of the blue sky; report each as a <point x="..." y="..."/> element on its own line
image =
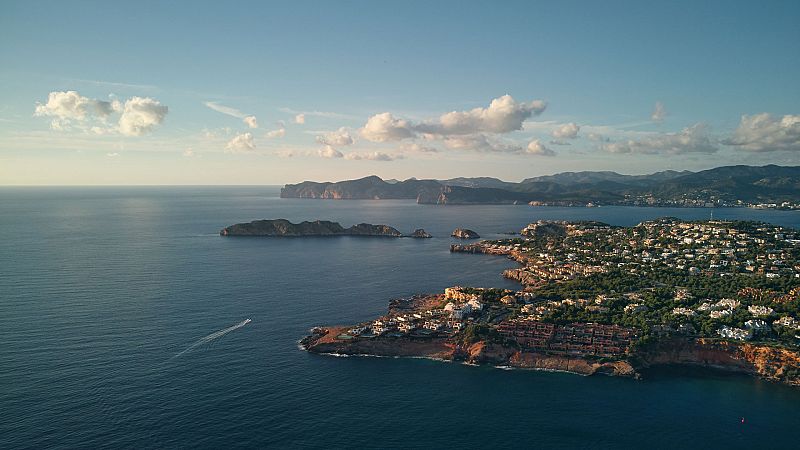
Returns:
<point x="145" y="93"/>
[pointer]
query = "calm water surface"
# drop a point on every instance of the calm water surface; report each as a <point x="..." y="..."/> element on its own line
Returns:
<point x="106" y="295"/>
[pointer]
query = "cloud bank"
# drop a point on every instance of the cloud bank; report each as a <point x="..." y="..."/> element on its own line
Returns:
<point x="765" y="133"/>
<point x="693" y="139"/>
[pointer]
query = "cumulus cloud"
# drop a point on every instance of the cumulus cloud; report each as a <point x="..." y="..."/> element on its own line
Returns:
<point x="693" y="139"/>
<point x="329" y="152"/>
<point x="566" y="131"/>
<point x="242" y="143"/>
<point x="535" y="147"/>
<point x="764" y="133"/>
<point x="385" y="127"/>
<point x="140" y="115"/>
<point x="503" y="115"/>
<point x="371" y="156"/>
<point x="278" y="133"/>
<point x="250" y="121"/>
<point x="339" y="137"/>
<point x="659" y="113"/>
<point x="112" y="155"/>
<point x="189" y="153"/>
<point x="69" y="105"/>
<point x="68" y="109"/>
<point x="300" y="119"/>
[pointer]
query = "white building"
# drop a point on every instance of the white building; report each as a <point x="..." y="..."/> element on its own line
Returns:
<point x="759" y="311"/>
<point x="733" y="333"/>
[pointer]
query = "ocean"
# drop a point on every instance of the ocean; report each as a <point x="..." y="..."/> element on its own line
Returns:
<point x="123" y="324"/>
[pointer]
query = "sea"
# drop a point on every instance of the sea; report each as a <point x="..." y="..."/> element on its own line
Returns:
<point x="126" y="321"/>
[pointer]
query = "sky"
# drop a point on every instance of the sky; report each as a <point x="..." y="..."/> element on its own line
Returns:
<point x="228" y="93"/>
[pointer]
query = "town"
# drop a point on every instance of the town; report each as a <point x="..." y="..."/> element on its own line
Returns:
<point x="594" y="290"/>
<point x="600" y="298"/>
<point x="730" y="280"/>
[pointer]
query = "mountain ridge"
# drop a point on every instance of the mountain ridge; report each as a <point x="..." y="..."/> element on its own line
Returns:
<point x="737" y="185"/>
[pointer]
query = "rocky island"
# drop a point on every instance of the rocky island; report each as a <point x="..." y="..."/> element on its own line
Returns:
<point x="596" y="298"/>
<point x="284" y="228"/>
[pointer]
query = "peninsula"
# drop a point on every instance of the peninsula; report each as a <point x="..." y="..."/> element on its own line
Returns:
<point x="284" y="228"/>
<point x="596" y="298"/>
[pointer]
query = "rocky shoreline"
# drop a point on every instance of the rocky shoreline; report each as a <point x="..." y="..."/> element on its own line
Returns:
<point x="761" y="361"/>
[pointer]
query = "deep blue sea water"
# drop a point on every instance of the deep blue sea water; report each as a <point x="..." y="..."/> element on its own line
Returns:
<point x="102" y="289"/>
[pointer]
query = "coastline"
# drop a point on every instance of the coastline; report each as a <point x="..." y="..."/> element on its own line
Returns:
<point x="617" y="323"/>
<point x="762" y="361"/>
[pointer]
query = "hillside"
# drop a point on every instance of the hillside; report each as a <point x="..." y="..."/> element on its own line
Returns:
<point x="722" y="186"/>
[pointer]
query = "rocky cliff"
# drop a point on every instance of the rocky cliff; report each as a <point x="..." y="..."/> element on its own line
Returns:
<point x="284" y="228"/>
<point x="324" y="341"/>
<point x="770" y="363"/>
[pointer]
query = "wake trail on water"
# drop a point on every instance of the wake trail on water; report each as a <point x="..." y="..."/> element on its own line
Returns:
<point x="213" y="336"/>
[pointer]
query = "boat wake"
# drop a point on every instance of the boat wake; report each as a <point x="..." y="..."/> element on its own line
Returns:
<point x="213" y="336"/>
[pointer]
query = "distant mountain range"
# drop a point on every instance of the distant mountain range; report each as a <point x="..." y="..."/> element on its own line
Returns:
<point x="770" y="186"/>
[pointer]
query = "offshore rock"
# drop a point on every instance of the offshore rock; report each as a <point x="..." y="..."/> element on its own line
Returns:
<point x="420" y="233"/>
<point x="463" y="233"/>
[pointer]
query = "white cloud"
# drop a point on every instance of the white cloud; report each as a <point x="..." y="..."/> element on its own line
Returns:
<point x="372" y="156"/>
<point x="339" y="137"/>
<point x="659" y="113"/>
<point x="189" y="153"/>
<point x="414" y="147"/>
<point x="250" y="121"/>
<point x="693" y="139"/>
<point x="300" y="119"/>
<point x="112" y="155"/>
<point x="385" y="127"/>
<point x="481" y="143"/>
<point x="225" y="110"/>
<point x="535" y="147"/>
<point x="242" y="143"/>
<point x="329" y="152"/>
<point x="764" y="133"/>
<point x="66" y="107"/>
<point x="279" y="133"/>
<point x="596" y="137"/>
<point x="324" y="114"/>
<point x="140" y="115"/>
<point x="503" y="115"/>
<point x="69" y="109"/>
<point x="566" y="131"/>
